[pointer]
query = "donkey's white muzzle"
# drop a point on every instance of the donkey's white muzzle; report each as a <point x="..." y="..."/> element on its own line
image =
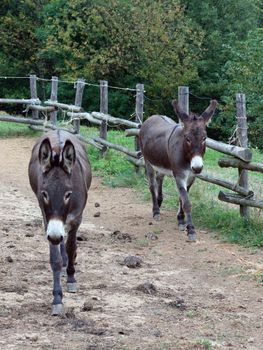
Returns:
<point x="197" y="164"/>
<point x="55" y="231"/>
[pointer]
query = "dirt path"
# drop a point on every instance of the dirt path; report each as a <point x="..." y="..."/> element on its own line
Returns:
<point x="205" y="297"/>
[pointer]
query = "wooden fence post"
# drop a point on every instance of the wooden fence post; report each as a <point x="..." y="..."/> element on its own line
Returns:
<point x="33" y="92"/>
<point x="183" y="98"/>
<point x="139" y="110"/>
<point x="54" y="97"/>
<point x="80" y="85"/>
<point x="104" y="110"/>
<point x="243" y="141"/>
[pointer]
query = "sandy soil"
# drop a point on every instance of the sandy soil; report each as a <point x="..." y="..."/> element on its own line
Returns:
<point x="204" y="295"/>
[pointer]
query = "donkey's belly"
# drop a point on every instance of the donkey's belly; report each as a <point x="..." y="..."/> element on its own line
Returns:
<point x="163" y="171"/>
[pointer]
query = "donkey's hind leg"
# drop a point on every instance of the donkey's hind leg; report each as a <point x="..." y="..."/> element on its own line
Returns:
<point x="159" y="180"/>
<point x="64" y="259"/>
<point x="153" y="189"/>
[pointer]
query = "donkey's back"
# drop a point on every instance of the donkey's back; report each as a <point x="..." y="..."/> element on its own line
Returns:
<point x="154" y="137"/>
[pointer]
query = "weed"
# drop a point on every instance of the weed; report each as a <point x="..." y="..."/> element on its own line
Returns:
<point x="205" y="344"/>
<point x="192" y="313"/>
<point x="142" y="242"/>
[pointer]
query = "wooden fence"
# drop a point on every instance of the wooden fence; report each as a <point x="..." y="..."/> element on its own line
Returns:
<point x="240" y="158"/>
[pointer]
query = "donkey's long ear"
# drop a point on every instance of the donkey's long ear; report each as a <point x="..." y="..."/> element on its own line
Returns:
<point x="68" y="156"/>
<point x="45" y="155"/>
<point x="209" y="112"/>
<point x="179" y="112"/>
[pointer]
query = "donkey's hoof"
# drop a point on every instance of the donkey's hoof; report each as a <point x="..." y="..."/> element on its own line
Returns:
<point x="157" y="217"/>
<point x="57" y="309"/>
<point x="191" y="237"/>
<point x="72" y="287"/>
<point x="64" y="271"/>
<point x="182" y="227"/>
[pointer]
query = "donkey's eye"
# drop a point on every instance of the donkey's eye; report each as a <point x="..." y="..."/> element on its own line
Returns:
<point x="188" y="140"/>
<point x="45" y="196"/>
<point x="67" y="195"/>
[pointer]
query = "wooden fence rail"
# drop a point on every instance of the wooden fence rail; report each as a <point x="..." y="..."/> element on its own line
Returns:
<point x="240" y="158"/>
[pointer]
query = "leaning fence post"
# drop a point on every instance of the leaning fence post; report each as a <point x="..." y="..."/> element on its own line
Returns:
<point x="80" y="85"/>
<point x="243" y="141"/>
<point x="183" y="98"/>
<point x="139" y="110"/>
<point x="104" y="110"/>
<point x="54" y="97"/>
<point x="33" y="92"/>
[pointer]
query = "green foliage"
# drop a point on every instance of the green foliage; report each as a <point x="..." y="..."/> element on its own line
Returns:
<point x="212" y="46"/>
<point x="245" y="71"/>
<point x="231" y="61"/>
<point x="123" y="42"/>
<point x="225" y="23"/>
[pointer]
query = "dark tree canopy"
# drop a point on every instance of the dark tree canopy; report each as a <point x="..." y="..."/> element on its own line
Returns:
<point x="212" y="46"/>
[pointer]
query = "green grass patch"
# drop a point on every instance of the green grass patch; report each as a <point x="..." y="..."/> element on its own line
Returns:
<point x="8" y="129"/>
<point x="114" y="168"/>
<point x="205" y="344"/>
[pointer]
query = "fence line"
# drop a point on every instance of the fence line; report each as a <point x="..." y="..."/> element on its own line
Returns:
<point x="241" y="156"/>
<point x="69" y="82"/>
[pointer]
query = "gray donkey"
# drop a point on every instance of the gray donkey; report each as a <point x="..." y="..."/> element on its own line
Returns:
<point x="176" y="150"/>
<point x="60" y="176"/>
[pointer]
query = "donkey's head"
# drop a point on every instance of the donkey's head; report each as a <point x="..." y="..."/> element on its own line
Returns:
<point x="54" y="194"/>
<point x="194" y="129"/>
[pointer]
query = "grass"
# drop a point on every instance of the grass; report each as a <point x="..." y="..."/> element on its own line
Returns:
<point x="8" y="129"/>
<point x="208" y="212"/>
<point x="205" y="344"/>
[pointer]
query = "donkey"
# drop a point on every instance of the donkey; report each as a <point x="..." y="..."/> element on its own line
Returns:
<point x="60" y="176"/>
<point x="176" y="150"/>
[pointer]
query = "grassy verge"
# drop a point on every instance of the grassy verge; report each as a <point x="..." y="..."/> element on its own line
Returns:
<point x="8" y="129"/>
<point x="208" y="212"/>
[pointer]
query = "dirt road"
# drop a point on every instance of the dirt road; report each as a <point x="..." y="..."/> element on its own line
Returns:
<point x="203" y="295"/>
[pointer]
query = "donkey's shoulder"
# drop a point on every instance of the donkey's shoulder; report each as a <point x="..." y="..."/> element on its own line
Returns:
<point x="167" y="119"/>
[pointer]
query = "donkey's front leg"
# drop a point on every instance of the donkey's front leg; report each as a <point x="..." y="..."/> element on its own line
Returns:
<point x="56" y="265"/>
<point x="180" y="213"/>
<point x="181" y="216"/>
<point x="186" y="207"/>
<point x="153" y="189"/>
<point x="71" y="248"/>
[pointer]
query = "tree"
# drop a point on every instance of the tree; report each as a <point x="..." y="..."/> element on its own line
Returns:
<point x="225" y="23"/>
<point x="244" y="72"/>
<point x="19" y="44"/>
<point x="121" y="41"/>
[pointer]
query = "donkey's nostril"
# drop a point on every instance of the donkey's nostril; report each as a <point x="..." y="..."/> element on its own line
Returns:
<point x="197" y="170"/>
<point x="55" y="240"/>
<point x="55" y="231"/>
<point x="197" y="164"/>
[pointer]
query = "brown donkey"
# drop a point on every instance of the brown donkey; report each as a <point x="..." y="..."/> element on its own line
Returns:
<point x="176" y="150"/>
<point x="60" y="176"/>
